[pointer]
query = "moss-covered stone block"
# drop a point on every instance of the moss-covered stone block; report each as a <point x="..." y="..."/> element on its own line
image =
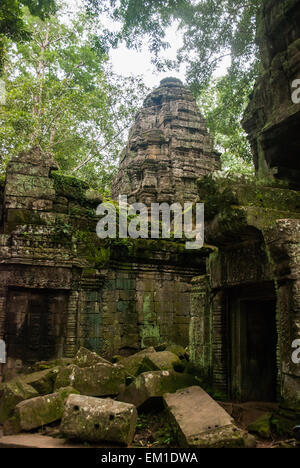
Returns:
<point x="12" y="393"/>
<point x="262" y="426"/>
<point x="42" y="381"/>
<point x="163" y="360"/>
<point x="154" y="384"/>
<point x="42" y="410"/>
<point x="96" y="420"/>
<point x="87" y="358"/>
<point x="98" y="380"/>
<point x="132" y="363"/>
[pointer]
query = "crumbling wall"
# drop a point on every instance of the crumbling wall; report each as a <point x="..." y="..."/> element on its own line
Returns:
<point x="255" y="229"/>
<point x="272" y="118"/>
<point x="115" y="296"/>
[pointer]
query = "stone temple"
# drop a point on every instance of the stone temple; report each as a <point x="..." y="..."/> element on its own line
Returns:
<point x="235" y="303"/>
<point x="168" y="149"/>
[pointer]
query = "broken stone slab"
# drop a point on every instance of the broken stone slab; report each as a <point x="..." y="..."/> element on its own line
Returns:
<point x="132" y="363"/>
<point x="42" y="381"/>
<point x="44" y="365"/>
<point x="42" y="410"/>
<point x="178" y="350"/>
<point x="12" y="393"/>
<point x="163" y="360"/>
<point x="98" y="380"/>
<point x="262" y="426"/>
<point x="96" y="419"/>
<point x="154" y="384"/>
<point x="201" y="422"/>
<point x="87" y="358"/>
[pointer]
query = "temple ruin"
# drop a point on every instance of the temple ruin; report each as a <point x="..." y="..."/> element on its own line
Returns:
<point x="235" y="303"/>
<point x="168" y="149"/>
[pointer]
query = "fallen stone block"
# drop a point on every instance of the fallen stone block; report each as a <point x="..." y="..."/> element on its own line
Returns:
<point x="132" y="363"/>
<point x="163" y="360"/>
<point x="98" y="380"/>
<point x="44" y="365"/>
<point x="262" y="426"/>
<point x="95" y="420"/>
<point x="11" y="426"/>
<point x="42" y="381"/>
<point x="87" y="358"/>
<point x="154" y="384"/>
<point x="12" y="393"/>
<point x="178" y="350"/>
<point x="200" y="422"/>
<point x="42" y="410"/>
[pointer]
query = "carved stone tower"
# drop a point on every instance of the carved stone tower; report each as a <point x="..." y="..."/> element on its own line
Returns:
<point x="168" y="149"/>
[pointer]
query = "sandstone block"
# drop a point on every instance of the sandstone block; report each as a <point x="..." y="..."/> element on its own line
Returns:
<point x="154" y="384"/>
<point x="42" y="410"/>
<point x="98" y="380"/>
<point x="95" y="420"/>
<point x="201" y="422"/>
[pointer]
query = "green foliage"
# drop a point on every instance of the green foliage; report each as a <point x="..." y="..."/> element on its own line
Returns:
<point x="63" y="98"/>
<point x="212" y="30"/>
<point x="12" y="24"/>
<point x="222" y="103"/>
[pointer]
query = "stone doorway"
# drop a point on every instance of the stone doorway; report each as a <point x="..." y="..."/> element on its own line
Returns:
<point x="35" y="324"/>
<point x="253" y="349"/>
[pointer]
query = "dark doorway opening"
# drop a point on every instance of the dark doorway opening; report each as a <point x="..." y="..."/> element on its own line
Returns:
<point x="35" y="324"/>
<point x="258" y="350"/>
<point x="253" y="349"/>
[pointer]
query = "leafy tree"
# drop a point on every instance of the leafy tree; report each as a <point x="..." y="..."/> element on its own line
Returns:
<point x="12" y="24"/>
<point x="212" y="30"/>
<point x="63" y="97"/>
<point x="222" y="106"/>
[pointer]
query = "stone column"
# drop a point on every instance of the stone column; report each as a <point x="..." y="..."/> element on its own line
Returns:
<point x="200" y="331"/>
<point x="2" y="311"/>
<point x="70" y="346"/>
<point x="220" y="343"/>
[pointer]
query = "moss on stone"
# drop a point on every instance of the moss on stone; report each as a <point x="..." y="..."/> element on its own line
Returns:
<point x="220" y="194"/>
<point x="69" y="187"/>
<point x="262" y="426"/>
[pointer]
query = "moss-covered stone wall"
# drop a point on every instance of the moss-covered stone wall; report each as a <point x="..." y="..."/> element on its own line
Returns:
<point x="122" y="294"/>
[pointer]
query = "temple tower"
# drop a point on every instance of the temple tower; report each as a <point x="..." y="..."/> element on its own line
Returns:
<point x="168" y="148"/>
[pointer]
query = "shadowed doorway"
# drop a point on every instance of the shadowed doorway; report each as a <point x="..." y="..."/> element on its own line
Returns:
<point x="35" y="323"/>
<point x="253" y="349"/>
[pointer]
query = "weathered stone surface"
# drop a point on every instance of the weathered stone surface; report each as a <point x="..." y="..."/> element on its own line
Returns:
<point x="116" y="310"/>
<point x="262" y="426"/>
<point x="154" y="384"/>
<point x="163" y="360"/>
<point x="42" y="381"/>
<point x="55" y="363"/>
<point x="132" y="363"/>
<point x="42" y="410"/>
<point x="98" y="380"/>
<point x="178" y="350"/>
<point x="200" y="421"/>
<point x="12" y="393"/>
<point x="95" y="420"/>
<point x="87" y="358"/>
<point x="272" y="117"/>
<point x="168" y="148"/>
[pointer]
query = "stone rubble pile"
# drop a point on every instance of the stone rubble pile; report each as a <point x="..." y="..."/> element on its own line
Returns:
<point x="97" y="401"/>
